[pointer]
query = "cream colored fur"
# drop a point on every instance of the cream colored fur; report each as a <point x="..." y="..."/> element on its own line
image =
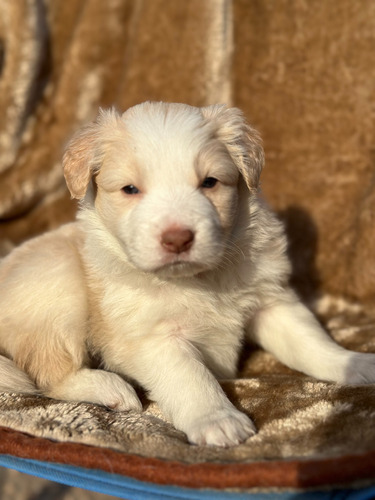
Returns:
<point x="162" y="280"/>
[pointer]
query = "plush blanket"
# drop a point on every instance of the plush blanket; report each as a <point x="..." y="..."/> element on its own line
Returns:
<point x="304" y="74"/>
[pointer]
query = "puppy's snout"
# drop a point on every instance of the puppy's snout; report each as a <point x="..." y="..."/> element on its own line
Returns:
<point x="177" y="240"/>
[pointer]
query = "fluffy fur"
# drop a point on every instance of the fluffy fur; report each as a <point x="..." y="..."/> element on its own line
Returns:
<point x="172" y="262"/>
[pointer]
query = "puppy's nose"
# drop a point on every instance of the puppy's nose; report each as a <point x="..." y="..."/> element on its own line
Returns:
<point x="177" y="240"/>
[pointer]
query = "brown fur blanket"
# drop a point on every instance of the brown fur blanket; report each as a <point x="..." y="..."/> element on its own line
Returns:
<point x="304" y="73"/>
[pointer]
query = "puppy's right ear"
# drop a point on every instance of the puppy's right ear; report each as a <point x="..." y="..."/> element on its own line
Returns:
<point x="80" y="160"/>
<point x="85" y="152"/>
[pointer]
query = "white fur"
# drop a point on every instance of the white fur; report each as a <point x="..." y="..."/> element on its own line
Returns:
<point x="107" y="286"/>
<point x="83" y="385"/>
<point x="14" y="380"/>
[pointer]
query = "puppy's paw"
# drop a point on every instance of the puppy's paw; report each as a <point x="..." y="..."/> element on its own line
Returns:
<point x="360" y="369"/>
<point x="117" y="394"/>
<point x="99" y="387"/>
<point x="226" y="427"/>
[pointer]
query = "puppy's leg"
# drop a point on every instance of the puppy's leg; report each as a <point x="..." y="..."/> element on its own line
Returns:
<point x="58" y="367"/>
<point x="172" y="371"/>
<point x="287" y="329"/>
<point x="57" y="363"/>
<point x="97" y="386"/>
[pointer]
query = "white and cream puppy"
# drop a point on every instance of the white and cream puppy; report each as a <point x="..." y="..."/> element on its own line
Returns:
<point x="172" y="262"/>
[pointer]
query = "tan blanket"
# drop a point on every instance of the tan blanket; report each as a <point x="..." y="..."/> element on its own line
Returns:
<point x="304" y="73"/>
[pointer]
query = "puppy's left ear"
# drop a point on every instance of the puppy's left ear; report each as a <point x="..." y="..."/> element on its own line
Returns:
<point x="241" y="140"/>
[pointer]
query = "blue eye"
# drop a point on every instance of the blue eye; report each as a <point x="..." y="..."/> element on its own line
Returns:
<point x="130" y="189"/>
<point x="209" y="183"/>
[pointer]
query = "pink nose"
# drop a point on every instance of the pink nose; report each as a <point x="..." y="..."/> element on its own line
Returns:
<point x="176" y="240"/>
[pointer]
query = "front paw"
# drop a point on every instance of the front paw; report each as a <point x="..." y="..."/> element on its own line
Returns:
<point x="117" y="394"/>
<point x="225" y="427"/>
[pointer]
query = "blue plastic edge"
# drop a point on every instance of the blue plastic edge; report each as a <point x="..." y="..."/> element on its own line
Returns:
<point x="132" y="489"/>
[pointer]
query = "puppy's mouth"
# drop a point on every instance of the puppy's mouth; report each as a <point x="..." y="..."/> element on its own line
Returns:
<point x="179" y="269"/>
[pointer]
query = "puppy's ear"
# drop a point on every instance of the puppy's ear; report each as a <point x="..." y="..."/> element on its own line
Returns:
<point x="79" y="160"/>
<point x="241" y="140"/>
<point x="84" y="154"/>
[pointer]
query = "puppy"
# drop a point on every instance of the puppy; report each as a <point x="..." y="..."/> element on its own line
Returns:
<point x="173" y="261"/>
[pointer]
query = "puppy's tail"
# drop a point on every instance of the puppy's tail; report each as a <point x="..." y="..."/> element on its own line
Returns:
<point x="12" y="379"/>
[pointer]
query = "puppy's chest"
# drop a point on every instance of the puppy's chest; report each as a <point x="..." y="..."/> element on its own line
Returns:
<point x="169" y="310"/>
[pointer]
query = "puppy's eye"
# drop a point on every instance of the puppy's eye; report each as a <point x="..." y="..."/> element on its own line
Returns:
<point x="209" y="183"/>
<point x="130" y="189"/>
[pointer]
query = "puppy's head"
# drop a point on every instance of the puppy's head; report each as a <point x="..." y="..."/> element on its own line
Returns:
<point x="167" y="180"/>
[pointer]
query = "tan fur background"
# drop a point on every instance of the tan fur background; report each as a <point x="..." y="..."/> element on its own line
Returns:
<point x="302" y="71"/>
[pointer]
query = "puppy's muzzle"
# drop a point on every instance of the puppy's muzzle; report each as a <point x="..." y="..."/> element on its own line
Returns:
<point x="177" y="240"/>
